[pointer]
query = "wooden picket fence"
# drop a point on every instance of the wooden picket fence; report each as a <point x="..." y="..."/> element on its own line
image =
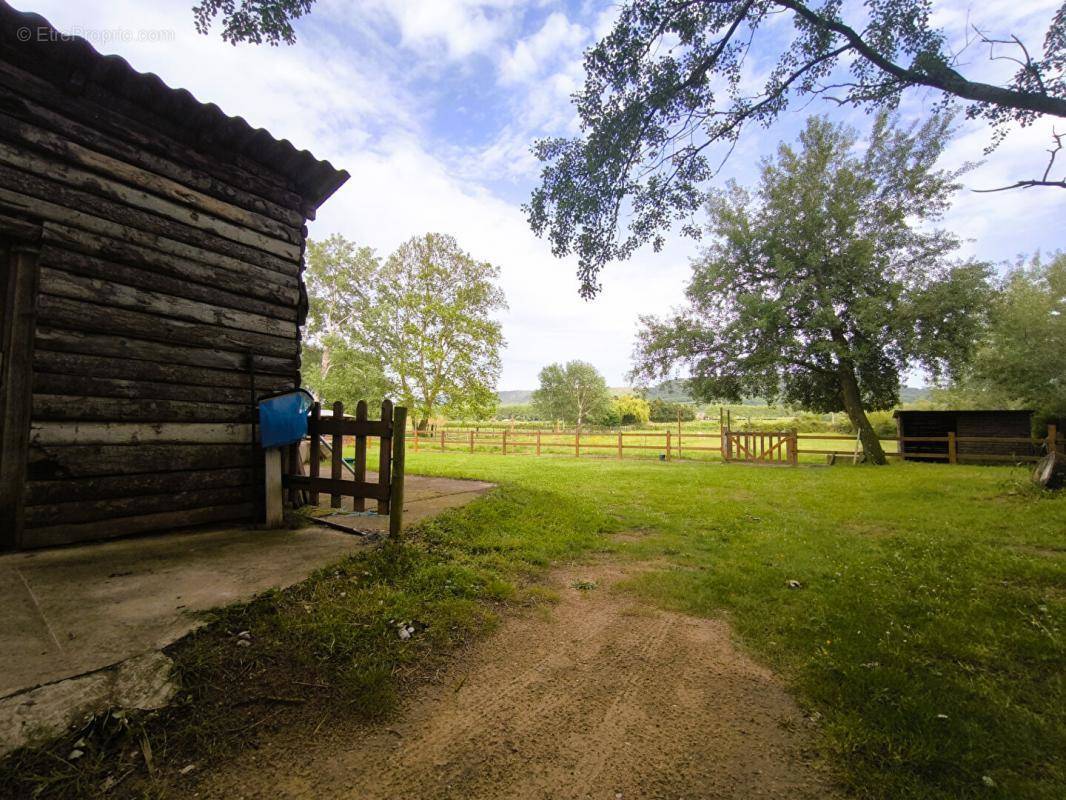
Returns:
<point x="781" y="447"/>
<point x="386" y="492"/>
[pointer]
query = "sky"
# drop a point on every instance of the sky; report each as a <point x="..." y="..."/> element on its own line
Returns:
<point x="432" y="106"/>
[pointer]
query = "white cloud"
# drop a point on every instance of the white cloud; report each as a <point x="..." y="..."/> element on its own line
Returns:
<point x="531" y="57"/>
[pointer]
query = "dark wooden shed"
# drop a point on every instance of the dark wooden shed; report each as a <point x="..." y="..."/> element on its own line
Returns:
<point x="984" y="435"/>
<point x="151" y="251"/>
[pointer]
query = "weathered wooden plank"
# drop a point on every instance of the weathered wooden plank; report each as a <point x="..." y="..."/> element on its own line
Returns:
<point x="340" y="426"/>
<point x="385" y="456"/>
<point x="55" y="214"/>
<point x="336" y="447"/>
<point x="110" y="486"/>
<point x="18" y="288"/>
<point x="47" y="463"/>
<point x="82" y="511"/>
<point x="66" y="312"/>
<point x="75" y="433"/>
<point x="40" y="119"/>
<point x="108" y="409"/>
<point x="60" y="283"/>
<point x="71" y="153"/>
<point x="247" y="280"/>
<point x="338" y="486"/>
<point x="209" y="363"/>
<point x="206" y="295"/>
<point x="20" y="184"/>
<point x="359" y="468"/>
<point x="99" y="186"/>
<point x="67" y="369"/>
<point x="131" y="127"/>
<point x="83" y="386"/>
<point x="112" y="528"/>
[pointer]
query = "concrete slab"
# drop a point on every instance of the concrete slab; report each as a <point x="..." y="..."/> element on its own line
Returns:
<point x="77" y="610"/>
<point x="423" y="498"/>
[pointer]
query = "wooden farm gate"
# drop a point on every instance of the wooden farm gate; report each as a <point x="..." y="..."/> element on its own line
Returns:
<point x="778" y="447"/>
<point x="386" y="492"/>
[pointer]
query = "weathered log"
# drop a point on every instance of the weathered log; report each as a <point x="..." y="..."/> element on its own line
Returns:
<point x="77" y="367"/>
<point x="82" y="386"/>
<point x="279" y="242"/>
<point x="207" y="295"/>
<point x="111" y="486"/>
<point x="23" y="183"/>
<point x="149" y="137"/>
<point x="235" y="276"/>
<point x="1050" y="471"/>
<point x="49" y="463"/>
<point x="72" y="433"/>
<point x="82" y="511"/>
<point x="124" y="526"/>
<point x="107" y="409"/>
<point x="212" y="366"/>
<point x="85" y="316"/>
<point x="70" y="153"/>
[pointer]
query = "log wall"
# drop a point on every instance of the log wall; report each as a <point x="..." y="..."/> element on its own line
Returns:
<point x="169" y="293"/>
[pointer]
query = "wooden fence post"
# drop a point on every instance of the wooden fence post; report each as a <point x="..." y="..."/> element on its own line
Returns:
<point x="471" y="441"/>
<point x="505" y="441"/>
<point x="619" y="445"/>
<point x="538" y="442"/>
<point x="793" y="448"/>
<point x="385" y="454"/>
<point x="441" y="437"/>
<point x="337" y="446"/>
<point x="315" y="451"/>
<point x="1052" y="437"/>
<point x="414" y="427"/>
<point x="396" y="483"/>
<point x="577" y="442"/>
<point x="275" y="513"/>
<point x="669" y="447"/>
<point x="359" y="471"/>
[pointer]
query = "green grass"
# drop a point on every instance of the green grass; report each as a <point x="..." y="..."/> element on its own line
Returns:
<point x="927" y="632"/>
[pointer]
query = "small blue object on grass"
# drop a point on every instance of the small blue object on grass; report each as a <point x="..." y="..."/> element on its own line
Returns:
<point x="283" y="418"/>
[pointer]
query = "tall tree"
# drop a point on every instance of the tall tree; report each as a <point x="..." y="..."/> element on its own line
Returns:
<point x="1022" y="358"/>
<point x="818" y="287"/>
<point x="574" y="392"/>
<point x="669" y="83"/>
<point x="432" y="324"/>
<point x="337" y="362"/>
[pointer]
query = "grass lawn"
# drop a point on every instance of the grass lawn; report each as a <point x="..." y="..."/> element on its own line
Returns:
<point x="927" y="632"/>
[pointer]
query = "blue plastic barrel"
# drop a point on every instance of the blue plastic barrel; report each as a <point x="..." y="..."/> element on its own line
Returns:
<point x="283" y="418"/>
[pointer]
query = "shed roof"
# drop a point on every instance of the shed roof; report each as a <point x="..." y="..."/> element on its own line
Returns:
<point x="915" y="411"/>
<point x="313" y="179"/>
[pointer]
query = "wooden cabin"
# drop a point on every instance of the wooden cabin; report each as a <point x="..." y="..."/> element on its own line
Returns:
<point x="994" y="435"/>
<point x="151" y="251"/>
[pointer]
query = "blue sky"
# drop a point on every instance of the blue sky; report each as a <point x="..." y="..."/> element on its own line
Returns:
<point x="432" y="105"/>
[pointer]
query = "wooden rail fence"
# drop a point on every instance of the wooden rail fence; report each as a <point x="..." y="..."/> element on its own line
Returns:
<point x="387" y="491"/>
<point x="781" y="447"/>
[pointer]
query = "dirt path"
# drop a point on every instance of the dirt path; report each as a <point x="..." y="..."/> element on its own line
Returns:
<point x="600" y="698"/>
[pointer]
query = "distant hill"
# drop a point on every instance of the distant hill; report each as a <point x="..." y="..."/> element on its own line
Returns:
<point x="515" y="397"/>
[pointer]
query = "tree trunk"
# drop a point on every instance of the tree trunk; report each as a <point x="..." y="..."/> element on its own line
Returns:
<point x="849" y="388"/>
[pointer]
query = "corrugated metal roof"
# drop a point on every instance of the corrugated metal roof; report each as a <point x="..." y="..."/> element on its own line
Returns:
<point x="314" y="180"/>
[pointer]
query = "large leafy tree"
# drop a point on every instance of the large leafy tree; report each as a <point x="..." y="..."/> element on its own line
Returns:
<point x="818" y="287"/>
<point x="667" y="91"/>
<point x="1021" y="360"/>
<point x="337" y="363"/>
<point x="573" y="392"/>
<point x="432" y="322"/>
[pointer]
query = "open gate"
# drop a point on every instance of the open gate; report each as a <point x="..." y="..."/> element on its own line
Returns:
<point x="775" y="447"/>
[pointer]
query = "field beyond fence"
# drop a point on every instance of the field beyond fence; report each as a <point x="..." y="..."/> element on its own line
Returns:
<point x="667" y="445"/>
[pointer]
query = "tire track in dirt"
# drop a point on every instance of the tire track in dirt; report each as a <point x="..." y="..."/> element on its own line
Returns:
<point x="601" y="698"/>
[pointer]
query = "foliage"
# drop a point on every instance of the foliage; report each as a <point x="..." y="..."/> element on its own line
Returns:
<point x="666" y="411"/>
<point x="573" y="392"/>
<point x="519" y="411"/>
<point x="1022" y="359"/>
<point x="818" y="288"/>
<point x="252" y="21"/>
<point x="337" y="364"/>
<point x="667" y="94"/>
<point x="626" y="410"/>
<point x="433" y="324"/>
